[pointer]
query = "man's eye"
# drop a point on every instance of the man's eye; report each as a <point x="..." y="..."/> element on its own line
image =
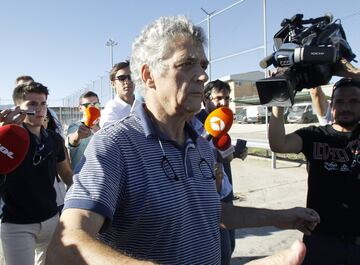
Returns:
<point x="204" y="66"/>
<point x="187" y="63"/>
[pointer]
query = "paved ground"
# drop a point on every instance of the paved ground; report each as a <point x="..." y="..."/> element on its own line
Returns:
<point x="261" y="186"/>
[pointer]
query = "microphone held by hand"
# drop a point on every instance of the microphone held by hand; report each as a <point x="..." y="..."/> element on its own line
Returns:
<point x="14" y="145"/>
<point x="219" y="122"/>
<point x="92" y="116"/>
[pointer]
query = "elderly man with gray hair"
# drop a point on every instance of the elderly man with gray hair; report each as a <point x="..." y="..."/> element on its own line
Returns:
<point x="146" y="191"/>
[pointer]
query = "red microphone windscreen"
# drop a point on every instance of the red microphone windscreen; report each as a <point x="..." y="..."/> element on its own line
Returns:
<point x="219" y="122"/>
<point x="222" y="143"/>
<point x="14" y="145"/>
<point x="92" y="115"/>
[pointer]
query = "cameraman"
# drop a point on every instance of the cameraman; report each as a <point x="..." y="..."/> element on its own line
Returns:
<point x="333" y="165"/>
<point x="318" y="98"/>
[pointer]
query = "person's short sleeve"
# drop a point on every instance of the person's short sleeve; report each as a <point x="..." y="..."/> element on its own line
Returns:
<point x="306" y="134"/>
<point x="61" y="156"/>
<point x="99" y="183"/>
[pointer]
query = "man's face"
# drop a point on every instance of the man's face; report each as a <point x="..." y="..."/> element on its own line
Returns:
<point x="84" y="102"/>
<point x="179" y="90"/>
<point x="124" y="87"/>
<point x="34" y="102"/>
<point x="218" y="98"/>
<point x="346" y="106"/>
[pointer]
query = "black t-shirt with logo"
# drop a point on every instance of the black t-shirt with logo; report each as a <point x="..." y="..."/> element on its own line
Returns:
<point x="29" y="193"/>
<point x="333" y="164"/>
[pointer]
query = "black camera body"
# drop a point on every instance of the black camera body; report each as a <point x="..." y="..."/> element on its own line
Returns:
<point x="305" y="57"/>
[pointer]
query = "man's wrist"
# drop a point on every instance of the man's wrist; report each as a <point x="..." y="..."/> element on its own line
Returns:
<point x="73" y="142"/>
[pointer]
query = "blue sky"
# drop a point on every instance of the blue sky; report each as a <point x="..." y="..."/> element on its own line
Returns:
<point x="62" y="43"/>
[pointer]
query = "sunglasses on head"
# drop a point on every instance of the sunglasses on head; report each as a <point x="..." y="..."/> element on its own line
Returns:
<point x="96" y="105"/>
<point x="123" y="77"/>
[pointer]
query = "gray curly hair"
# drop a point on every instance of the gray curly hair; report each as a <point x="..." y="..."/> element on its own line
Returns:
<point x="156" y="42"/>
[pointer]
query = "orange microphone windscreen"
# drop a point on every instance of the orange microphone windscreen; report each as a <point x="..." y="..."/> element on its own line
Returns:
<point x="92" y="115"/>
<point x="219" y="121"/>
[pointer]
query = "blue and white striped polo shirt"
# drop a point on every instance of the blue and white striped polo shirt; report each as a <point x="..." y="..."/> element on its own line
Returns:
<point x="150" y="214"/>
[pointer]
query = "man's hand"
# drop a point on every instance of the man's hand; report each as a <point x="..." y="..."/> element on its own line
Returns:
<point x="292" y="256"/>
<point x="95" y="128"/>
<point x="302" y="219"/>
<point x="345" y="69"/>
<point x="12" y="116"/>
<point x="219" y="175"/>
<point x="81" y="133"/>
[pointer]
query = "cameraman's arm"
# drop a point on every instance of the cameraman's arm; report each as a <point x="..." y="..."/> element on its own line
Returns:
<point x="319" y="101"/>
<point x="278" y="140"/>
<point x="346" y="69"/>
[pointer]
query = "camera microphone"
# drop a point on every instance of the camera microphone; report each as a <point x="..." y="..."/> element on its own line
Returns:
<point x="267" y="61"/>
<point x="328" y="17"/>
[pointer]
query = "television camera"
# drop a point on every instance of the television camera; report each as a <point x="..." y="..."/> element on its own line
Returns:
<point x="306" y="52"/>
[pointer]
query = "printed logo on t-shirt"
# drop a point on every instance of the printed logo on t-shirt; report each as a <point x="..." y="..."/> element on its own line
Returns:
<point x="344" y="168"/>
<point x="330" y="166"/>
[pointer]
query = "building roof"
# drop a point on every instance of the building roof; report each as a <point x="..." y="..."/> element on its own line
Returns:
<point x="249" y="76"/>
<point x="8" y="106"/>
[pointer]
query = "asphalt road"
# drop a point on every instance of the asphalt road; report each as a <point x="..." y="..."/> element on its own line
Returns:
<point x="259" y="131"/>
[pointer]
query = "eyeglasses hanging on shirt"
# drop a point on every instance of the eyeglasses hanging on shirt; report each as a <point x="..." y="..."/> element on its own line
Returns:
<point x="169" y="171"/>
<point x="41" y="152"/>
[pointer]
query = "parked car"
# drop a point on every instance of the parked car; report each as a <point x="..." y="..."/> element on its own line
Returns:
<point x="301" y="113"/>
<point x="256" y="114"/>
<point x="241" y="116"/>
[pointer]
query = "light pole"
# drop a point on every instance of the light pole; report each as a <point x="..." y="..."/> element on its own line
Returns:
<point x="101" y="86"/>
<point x="209" y="43"/>
<point x="111" y="43"/>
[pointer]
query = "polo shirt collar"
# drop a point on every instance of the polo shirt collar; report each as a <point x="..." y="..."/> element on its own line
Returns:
<point x="151" y="130"/>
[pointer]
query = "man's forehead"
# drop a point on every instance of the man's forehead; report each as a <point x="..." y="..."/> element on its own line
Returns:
<point x="216" y="90"/>
<point x="32" y="96"/>
<point x="349" y="91"/>
<point x="123" y="70"/>
<point x="89" y="99"/>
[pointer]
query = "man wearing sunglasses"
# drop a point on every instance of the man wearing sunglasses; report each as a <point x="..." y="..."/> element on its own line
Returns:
<point x="124" y="101"/>
<point x="78" y="134"/>
<point x="333" y="164"/>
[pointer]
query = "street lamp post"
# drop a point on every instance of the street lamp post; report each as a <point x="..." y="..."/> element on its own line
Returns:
<point x="209" y="43"/>
<point x="101" y="87"/>
<point x="111" y="43"/>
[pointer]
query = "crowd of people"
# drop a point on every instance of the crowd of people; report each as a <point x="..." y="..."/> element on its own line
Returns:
<point x="145" y="185"/>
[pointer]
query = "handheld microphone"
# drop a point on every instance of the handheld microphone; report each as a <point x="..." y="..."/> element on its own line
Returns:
<point x="14" y="145"/>
<point x="92" y="116"/>
<point x="224" y="148"/>
<point x="219" y="122"/>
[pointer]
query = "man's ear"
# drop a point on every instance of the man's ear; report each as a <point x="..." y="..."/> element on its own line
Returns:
<point x="112" y="83"/>
<point x="147" y="76"/>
